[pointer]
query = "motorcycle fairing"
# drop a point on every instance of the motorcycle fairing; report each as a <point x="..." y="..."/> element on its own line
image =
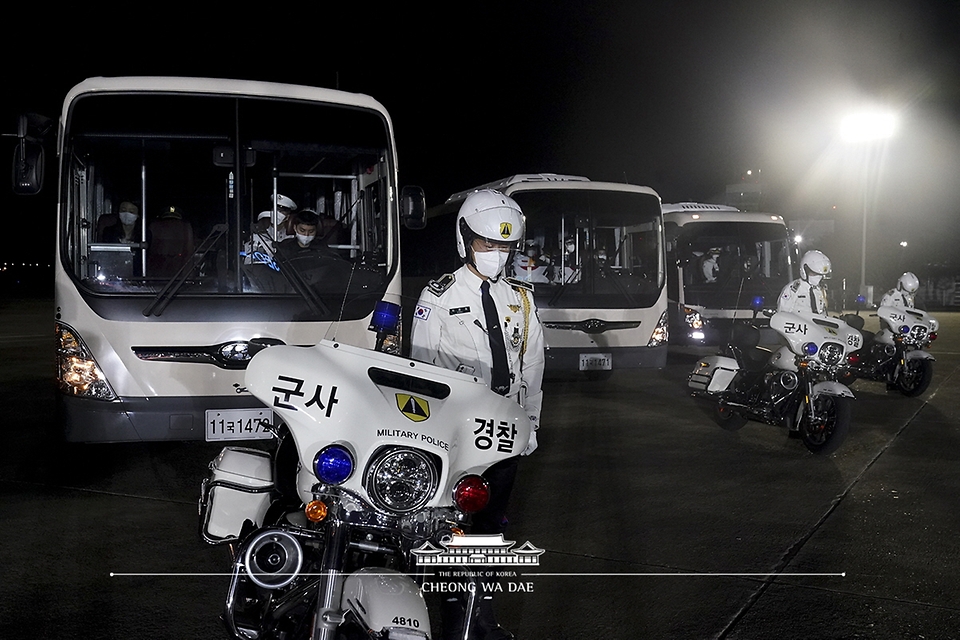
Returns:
<point x="364" y="400"/>
<point x="894" y="317"/>
<point x="799" y="330"/>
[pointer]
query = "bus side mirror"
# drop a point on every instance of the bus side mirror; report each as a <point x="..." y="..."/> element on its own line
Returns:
<point x="413" y="208"/>
<point x="28" y="159"/>
<point x="27" y="168"/>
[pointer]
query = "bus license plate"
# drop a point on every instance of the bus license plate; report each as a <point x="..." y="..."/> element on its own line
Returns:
<point x="596" y="362"/>
<point x="237" y="424"/>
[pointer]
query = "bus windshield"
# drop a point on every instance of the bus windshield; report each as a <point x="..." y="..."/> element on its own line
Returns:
<point x="591" y="248"/>
<point x="726" y="264"/>
<point x="176" y="197"/>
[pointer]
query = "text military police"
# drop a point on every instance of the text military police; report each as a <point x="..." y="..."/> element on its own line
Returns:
<point x="479" y="322"/>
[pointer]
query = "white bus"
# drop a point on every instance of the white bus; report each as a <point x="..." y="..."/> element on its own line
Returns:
<point x="597" y="267"/>
<point x="724" y="263"/>
<point x="151" y="349"/>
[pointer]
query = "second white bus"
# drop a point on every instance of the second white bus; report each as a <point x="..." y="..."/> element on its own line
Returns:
<point x="594" y="253"/>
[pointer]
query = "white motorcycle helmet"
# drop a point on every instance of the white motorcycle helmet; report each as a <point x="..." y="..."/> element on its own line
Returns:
<point x="814" y="267"/>
<point x="283" y="202"/>
<point x="908" y="282"/>
<point x="491" y="215"/>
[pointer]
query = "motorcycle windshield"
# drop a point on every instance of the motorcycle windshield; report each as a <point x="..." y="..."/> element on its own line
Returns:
<point x="375" y="404"/>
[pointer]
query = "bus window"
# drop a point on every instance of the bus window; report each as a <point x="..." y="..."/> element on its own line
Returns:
<point x="177" y="167"/>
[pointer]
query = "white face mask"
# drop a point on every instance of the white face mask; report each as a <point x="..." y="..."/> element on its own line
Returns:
<point x="490" y="263"/>
<point x="128" y="217"/>
<point x="304" y="240"/>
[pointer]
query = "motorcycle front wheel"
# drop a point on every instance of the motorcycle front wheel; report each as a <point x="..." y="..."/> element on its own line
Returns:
<point x="915" y="377"/>
<point x="824" y="435"/>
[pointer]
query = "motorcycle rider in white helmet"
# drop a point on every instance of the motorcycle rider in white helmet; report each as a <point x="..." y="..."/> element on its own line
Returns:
<point x="902" y="295"/>
<point x="806" y="295"/>
<point x="450" y="329"/>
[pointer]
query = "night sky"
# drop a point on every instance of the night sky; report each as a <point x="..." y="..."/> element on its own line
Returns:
<point x="683" y="97"/>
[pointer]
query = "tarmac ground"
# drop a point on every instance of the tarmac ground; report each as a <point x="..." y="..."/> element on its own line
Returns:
<point x="655" y="522"/>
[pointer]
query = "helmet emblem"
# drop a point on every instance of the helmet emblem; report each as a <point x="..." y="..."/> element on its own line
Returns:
<point x="506" y="229"/>
<point x="417" y="409"/>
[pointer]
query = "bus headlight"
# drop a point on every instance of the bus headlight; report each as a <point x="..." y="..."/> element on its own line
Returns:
<point x="661" y="332"/>
<point x="77" y="372"/>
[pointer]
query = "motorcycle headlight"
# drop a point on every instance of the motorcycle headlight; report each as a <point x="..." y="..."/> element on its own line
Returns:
<point x="401" y="480"/>
<point x="831" y="353"/>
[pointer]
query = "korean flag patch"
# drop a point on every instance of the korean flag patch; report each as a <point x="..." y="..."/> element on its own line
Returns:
<point x="422" y="312"/>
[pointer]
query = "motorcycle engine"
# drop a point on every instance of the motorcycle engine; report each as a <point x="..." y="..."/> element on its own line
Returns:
<point x="779" y="385"/>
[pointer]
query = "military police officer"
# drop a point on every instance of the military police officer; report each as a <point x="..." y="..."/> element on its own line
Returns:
<point x="479" y="322"/>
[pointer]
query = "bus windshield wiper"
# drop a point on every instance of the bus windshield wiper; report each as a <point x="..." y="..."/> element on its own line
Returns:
<point x="173" y="285"/>
<point x="306" y="292"/>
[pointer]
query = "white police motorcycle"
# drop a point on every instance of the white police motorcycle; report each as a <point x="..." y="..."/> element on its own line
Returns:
<point x="376" y="456"/>
<point x="897" y="353"/>
<point x="794" y="386"/>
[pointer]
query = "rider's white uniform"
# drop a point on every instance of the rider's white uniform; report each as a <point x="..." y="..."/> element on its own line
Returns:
<point x="803" y="298"/>
<point x="449" y="330"/>
<point x="897" y="298"/>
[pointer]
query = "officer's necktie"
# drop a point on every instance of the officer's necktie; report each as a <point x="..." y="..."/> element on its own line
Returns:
<point x="500" y="373"/>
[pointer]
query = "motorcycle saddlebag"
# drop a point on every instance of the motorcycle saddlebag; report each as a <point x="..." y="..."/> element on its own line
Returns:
<point x="238" y="489"/>
<point x="713" y="373"/>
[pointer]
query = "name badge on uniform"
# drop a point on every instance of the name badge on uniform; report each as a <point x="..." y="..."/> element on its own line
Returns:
<point x="458" y="310"/>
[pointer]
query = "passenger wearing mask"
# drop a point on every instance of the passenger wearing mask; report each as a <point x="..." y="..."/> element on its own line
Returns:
<point x="121" y="227"/>
<point x="304" y="242"/>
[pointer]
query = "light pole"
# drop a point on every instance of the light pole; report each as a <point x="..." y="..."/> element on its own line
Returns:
<point x="868" y="128"/>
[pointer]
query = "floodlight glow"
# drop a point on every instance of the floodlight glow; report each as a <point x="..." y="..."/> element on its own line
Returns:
<point x="868" y="125"/>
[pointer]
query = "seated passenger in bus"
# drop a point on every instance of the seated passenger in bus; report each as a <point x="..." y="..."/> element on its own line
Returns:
<point x="120" y="227"/>
<point x="304" y="242"/>
<point x="710" y="265"/>
<point x="531" y="265"/>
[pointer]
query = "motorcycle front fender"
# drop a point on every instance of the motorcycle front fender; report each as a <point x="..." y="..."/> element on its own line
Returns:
<point x="831" y="388"/>
<point x="385" y="599"/>
<point x="918" y="355"/>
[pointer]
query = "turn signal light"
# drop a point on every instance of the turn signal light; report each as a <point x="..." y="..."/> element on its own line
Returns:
<point x="316" y="511"/>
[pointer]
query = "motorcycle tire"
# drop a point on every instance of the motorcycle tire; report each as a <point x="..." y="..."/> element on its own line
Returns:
<point x="827" y="434"/>
<point x="915" y="377"/>
<point x="727" y="418"/>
